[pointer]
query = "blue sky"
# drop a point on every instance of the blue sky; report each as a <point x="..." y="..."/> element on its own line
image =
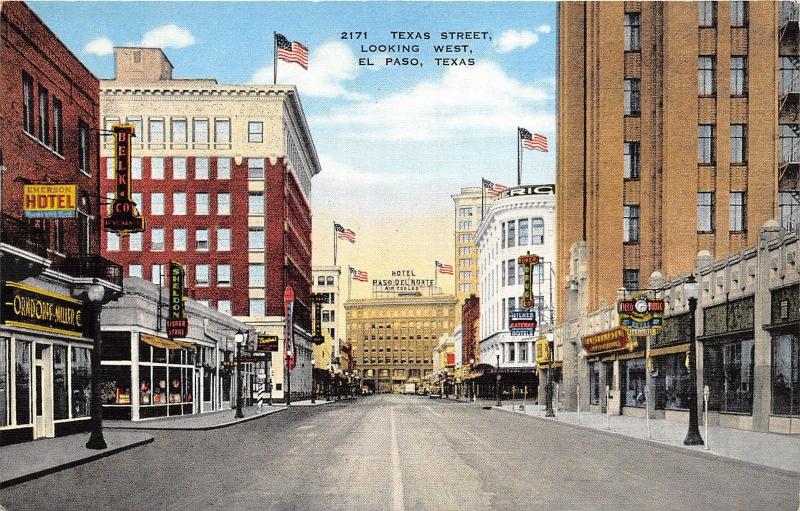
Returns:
<point x="395" y="141"/>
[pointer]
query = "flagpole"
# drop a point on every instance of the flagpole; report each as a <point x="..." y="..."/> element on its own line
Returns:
<point x="334" y="243"/>
<point x="483" y="197"/>
<point x="275" y="59"/>
<point x="519" y="159"/>
<point x="349" y="281"/>
<point x="435" y="276"/>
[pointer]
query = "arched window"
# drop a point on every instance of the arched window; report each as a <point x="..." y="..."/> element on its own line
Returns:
<point x="537" y="231"/>
<point x="330" y="281"/>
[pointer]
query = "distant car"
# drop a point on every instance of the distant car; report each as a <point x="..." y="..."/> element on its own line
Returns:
<point x="432" y="395"/>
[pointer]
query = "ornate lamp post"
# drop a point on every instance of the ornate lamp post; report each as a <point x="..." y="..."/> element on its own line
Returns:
<point x="497" y="387"/>
<point x="95" y="295"/>
<point x="328" y="385"/>
<point x="472" y="381"/>
<point x="691" y="289"/>
<point x="239" y="339"/>
<point x="313" y="388"/>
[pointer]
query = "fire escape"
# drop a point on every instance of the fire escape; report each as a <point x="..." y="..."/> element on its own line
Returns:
<point x="789" y="114"/>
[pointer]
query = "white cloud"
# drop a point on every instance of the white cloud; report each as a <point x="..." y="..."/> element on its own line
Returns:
<point x="168" y="36"/>
<point x="99" y="46"/>
<point x="544" y="29"/>
<point x="480" y="98"/>
<point x="514" y="39"/>
<point x="330" y="65"/>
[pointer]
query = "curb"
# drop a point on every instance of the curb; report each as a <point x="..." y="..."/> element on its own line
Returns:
<point x="198" y="428"/>
<point x="51" y="470"/>
<point x="674" y="448"/>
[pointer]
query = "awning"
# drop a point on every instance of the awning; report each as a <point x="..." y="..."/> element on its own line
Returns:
<point x="163" y="342"/>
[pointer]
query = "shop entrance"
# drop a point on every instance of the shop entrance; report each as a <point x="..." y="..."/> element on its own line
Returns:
<point x="43" y="426"/>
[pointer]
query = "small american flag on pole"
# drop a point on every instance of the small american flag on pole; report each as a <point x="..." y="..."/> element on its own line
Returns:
<point x="344" y="234"/>
<point x="359" y="275"/>
<point x="494" y="189"/>
<point x="535" y="141"/>
<point x="291" y="51"/>
<point x="445" y="269"/>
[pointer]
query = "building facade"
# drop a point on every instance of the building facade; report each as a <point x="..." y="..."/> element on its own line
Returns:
<point x="467" y="213"/>
<point x="670" y="138"/>
<point x="470" y="331"/>
<point x="520" y="222"/>
<point x="222" y="174"/>
<point x="326" y="281"/>
<point x="53" y="279"/>
<point x="393" y="337"/>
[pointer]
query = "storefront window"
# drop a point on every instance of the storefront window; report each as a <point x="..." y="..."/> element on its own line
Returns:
<point x="81" y="382"/>
<point x="594" y="383"/>
<point x="786" y="375"/>
<point x="672" y="382"/>
<point x="175" y="389"/>
<point x="159" y="385"/>
<point x="633" y="376"/>
<point x="159" y="355"/>
<point x="207" y="379"/>
<point x="175" y="357"/>
<point x="144" y="352"/>
<point x="4" y="403"/>
<point x="23" y="387"/>
<point x="60" y="395"/>
<point x="115" y="386"/>
<point x="226" y="385"/>
<point x="728" y="372"/>
<point x="145" y="385"/>
<point x="188" y="381"/>
<point x="116" y="346"/>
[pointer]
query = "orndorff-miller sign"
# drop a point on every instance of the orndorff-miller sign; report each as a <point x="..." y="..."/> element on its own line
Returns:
<point x="401" y="281"/>
<point x="39" y="309"/>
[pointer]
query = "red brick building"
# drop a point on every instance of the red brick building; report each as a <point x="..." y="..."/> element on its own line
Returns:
<point x="470" y="335"/>
<point x="48" y="120"/>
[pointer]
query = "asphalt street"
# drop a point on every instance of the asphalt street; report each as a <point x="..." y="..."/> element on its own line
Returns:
<point x="403" y="453"/>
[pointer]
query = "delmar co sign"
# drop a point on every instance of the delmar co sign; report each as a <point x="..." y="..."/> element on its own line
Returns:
<point x="49" y="200"/>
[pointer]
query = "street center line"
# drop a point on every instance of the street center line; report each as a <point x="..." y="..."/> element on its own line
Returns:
<point x="397" y="476"/>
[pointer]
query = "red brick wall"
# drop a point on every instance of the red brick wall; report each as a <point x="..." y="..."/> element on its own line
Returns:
<point x="29" y="46"/>
<point x="470" y="313"/>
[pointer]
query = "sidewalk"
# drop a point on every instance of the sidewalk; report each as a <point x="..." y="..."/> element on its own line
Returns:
<point x="773" y="450"/>
<point x="29" y="460"/>
<point x="198" y="421"/>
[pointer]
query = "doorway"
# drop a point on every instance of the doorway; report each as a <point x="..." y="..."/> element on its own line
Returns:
<point x="43" y="426"/>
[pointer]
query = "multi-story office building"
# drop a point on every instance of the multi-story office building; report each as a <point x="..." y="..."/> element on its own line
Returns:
<point x="326" y="281"/>
<point x="520" y="222"/>
<point x="53" y="278"/>
<point x="222" y="174"/>
<point x="393" y="337"/>
<point x="468" y="214"/>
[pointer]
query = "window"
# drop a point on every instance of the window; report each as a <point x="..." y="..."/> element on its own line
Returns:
<point x="790" y="74"/>
<point x="632" y="99"/>
<point x="83" y="147"/>
<point x="178" y="131"/>
<point x="705" y="143"/>
<point x="179" y="168"/>
<point x="135" y="270"/>
<point x="27" y="103"/>
<point x="255" y="204"/>
<point x="201" y="204"/>
<point x="112" y="241"/>
<point x="255" y="239"/>
<point x="465" y="275"/>
<point x="223" y="168"/>
<point x="179" y="238"/>
<point x="630" y="279"/>
<point x="631" y="160"/>
<point x="200" y="131"/>
<point x="135" y="241"/>
<point x="255" y="131"/>
<point x="511" y="272"/>
<point x="329" y="281"/>
<point x="201" y="168"/>
<point x="738" y="143"/>
<point x="790" y="210"/>
<point x="790" y="143"/>
<point x="326" y="316"/>
<point x="728" y="372"/>
<point x="81" y="381"/>
<point x="137" y="125"/>
<point x="256" y="274"/>
<point x="633" y="382"/>
<point x="511" y="238"/>
<point x="157" y="168"/>
<point x="44" y="116"/>
<point x="156" y="203"/>
<point x="465" y="263"/>
<point x="201" y="239"/>
<point x="223" y="203"/>
<point x="155" y="129"/>
<point x="630" y="223"/>
<point x="738" y="13"/>
<point x="257" y="307"/>
<point x="320" y="281"/>
<point x="58" y="127"/>
<point x="157" y="238"/>
<point x="223" y="274"/>
<point x="222" y="131"/>
<point x="179" y="203"/>
<point x="157" y="274"/>
<point x="705" y="75"/>
<point x="255" y="168"/>
<point x="633" y="41"/>
<point x="786" y="375"/>
<point x="201" y="274"/>
<point x="464" y="211"/>
<point x="136" y="168"/>
<point x="224" y="306"/>
<point x="537" y="231"/>
<point x="465" y="225"/>
<point x="738" y="212"/>
<point x="223" y="239"/>
<point x="738" y="76"/>
<point x="708" y="13"/>
<point x="465" y="251"/>
<point x="705" y="212"/>
<point x="594" y="383"/>
<point x="110" y="168"/>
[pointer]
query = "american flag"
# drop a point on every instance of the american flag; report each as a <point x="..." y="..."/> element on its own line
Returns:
<point x="494" y="189"/>
<point x="534" y="141"/>
<point x="359" y="275"/>
<point x="291" y="51"/>
<point x="446" y="269"/>
<point x="344" y="234"/>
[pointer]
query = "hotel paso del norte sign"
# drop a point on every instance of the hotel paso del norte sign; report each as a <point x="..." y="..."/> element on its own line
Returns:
<point x="402" y="281"/>
<point x="641" y="316"/>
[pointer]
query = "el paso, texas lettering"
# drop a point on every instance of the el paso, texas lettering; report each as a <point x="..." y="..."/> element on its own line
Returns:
<point x="401" y="48"/>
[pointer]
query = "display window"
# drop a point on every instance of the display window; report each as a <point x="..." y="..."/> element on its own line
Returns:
<point x="81" y="371"/>
<point x="145" y="385"/>
<point x="671" y="382"/>
<point x="115" y="385"/>
<point x="23" y="382"/>
<point x="728" y="372"/>
<point x="5" y="408"/>
<point x="633" y="382"/>
<point x="175" y="384"/>
<point x="60" y="390"/>
<point x="594" y="383"/>
<point x="159" y="385"/>
<point x="786" y="375"/>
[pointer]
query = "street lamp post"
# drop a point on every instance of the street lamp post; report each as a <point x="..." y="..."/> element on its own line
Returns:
<point x="472" y="380"/>
<point x="313" y="388"/>
<point x="336" y="384"/>
<point x="497" y="387"/>
<point x="444" y="384"/>
<point x="691" y="290"/>
<point x="239" y="339"/>
<point x="549" y="387"/>
<point x="95" y="295"/>
<point x="328" y="383"/>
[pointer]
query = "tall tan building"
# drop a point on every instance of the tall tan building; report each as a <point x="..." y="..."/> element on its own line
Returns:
<point x="678" y="132"/>
<point x="393" y="338"/>
<point x="467" y="211"/>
